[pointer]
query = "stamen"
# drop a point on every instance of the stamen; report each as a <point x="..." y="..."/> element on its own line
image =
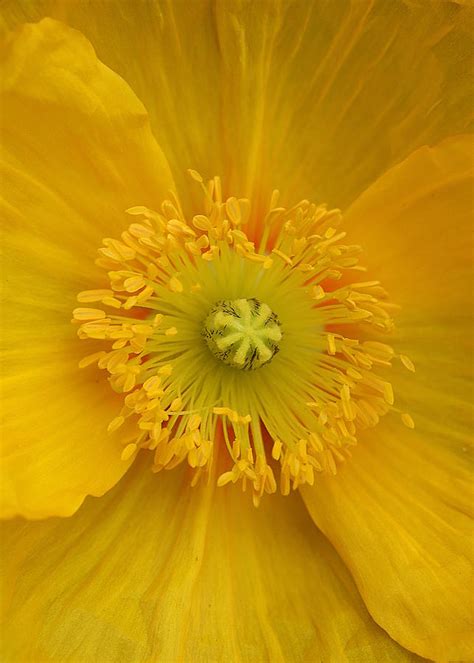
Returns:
<point x="190" y="300"/>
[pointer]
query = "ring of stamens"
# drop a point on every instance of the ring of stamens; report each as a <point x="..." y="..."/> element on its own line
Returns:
<point x="170" y="282"/>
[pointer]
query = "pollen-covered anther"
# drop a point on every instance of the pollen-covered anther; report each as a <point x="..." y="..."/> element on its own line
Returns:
<point x="189" y="299"/>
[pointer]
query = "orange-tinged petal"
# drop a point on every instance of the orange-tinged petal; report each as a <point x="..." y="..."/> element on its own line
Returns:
<point x="400" y="511"/>
<point x="415" y="226"/>
<point x="319" y="98"/>
<point x="156" y="571"/>
<point x="76" y="152"/>
<point x="314" y="98"/>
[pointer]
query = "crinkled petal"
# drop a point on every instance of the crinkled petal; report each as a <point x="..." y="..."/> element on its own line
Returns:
<point x="157" y="571"/>
<point x="314" y="98"/>
<point x="76" y="152"/>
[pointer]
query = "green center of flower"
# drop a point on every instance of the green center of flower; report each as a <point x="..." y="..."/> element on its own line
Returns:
<point x="243" y="333"/>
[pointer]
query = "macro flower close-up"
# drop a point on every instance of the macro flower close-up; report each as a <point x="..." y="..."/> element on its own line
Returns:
<point x="236" y="331"/>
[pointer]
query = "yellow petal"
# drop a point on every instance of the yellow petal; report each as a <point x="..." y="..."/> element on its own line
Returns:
<point x="400" y="515"/>
<point x="156" y="571"/>
<point x="415" y="226"/>
<point x="76" y="152"/>
<point x="168" y="54"/>
<point x="320" y="98"/>
<point x="400" y="511"/>
<point x="415" y="223"/>
<point x="315" y="98"/>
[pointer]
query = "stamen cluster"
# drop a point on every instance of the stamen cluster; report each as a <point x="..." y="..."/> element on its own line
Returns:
<point x="300" y="411"/>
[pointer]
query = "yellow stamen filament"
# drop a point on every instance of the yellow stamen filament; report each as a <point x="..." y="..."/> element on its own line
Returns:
<point x="192" y="299"/>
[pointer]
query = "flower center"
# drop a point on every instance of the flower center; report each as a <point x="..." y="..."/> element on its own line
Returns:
<point x="191" y="300"/>
<point x="243" y="333"/>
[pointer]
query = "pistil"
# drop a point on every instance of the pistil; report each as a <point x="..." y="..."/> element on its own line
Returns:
<point x="243" y="333"/>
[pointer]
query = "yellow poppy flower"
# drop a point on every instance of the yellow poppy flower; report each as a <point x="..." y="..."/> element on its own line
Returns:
<point x="226" y="337"/>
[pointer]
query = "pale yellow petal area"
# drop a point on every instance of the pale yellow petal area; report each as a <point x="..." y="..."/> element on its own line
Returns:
<point x="314" y="98"/>
<point x="77" y="151"/>
<point x="156" y="571"/>
<point x="400" y="511"/>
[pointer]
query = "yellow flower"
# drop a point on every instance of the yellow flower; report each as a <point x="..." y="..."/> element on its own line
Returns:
<point x="225" y="333"/>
